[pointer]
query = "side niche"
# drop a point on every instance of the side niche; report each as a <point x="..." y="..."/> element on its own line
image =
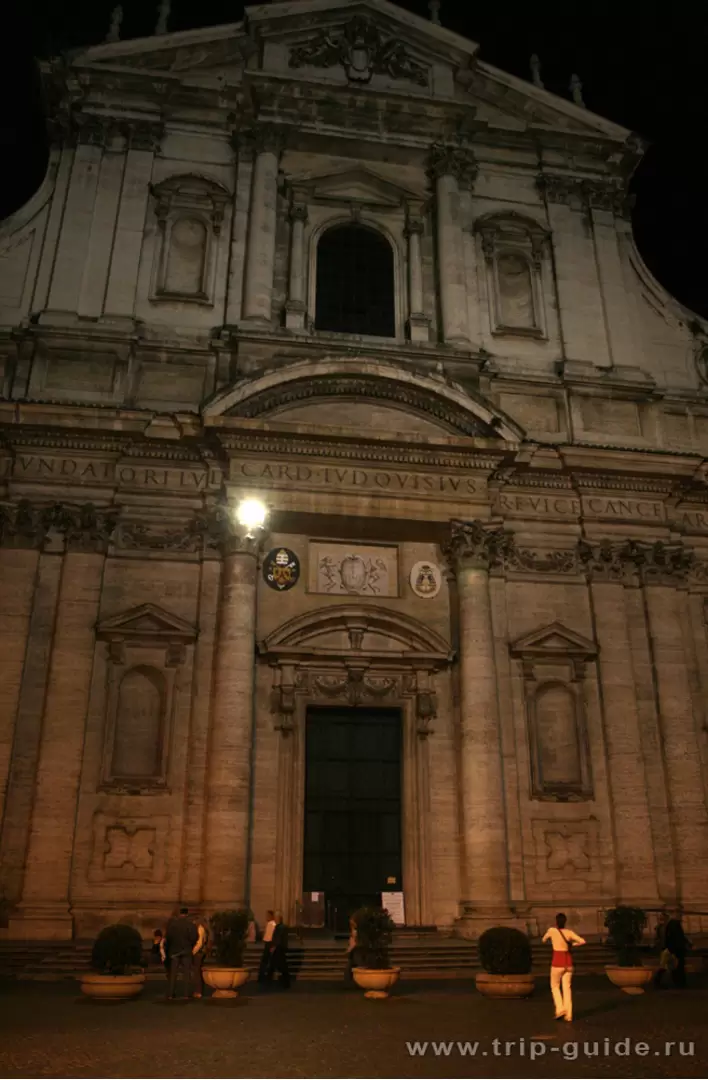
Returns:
<point x="190" y="212"/>
<point x="145" y="650"/>
<point x="553" y="663"/>
<point x="514" y="251"/>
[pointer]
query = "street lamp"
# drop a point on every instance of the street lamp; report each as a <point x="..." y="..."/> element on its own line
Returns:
<point x="251" y="514"/>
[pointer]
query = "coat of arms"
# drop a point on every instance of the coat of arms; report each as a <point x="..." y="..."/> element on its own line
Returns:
<point x="281" y="569"/>
<point x="352" y="574"/>
<point x="362" y="51"/>
<point x="426" y="580"/>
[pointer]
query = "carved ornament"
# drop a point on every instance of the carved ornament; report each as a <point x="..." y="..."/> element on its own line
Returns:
<point x="478" y="545"/>
<point x="135" y="536"/>
<point x="83" y="528"/>
<point x="444" y="160"/>
<point x="607" y="193"/>
<point x="362" y="50"/>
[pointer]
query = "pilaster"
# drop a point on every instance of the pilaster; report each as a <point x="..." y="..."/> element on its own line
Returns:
<point x="449" y="167"/>
<point x="267" y="142"/>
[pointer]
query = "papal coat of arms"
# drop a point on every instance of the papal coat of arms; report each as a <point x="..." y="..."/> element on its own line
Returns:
<point x="352" y="574"/>
<point x="362" y="51"/>
<point x="426" y="580"/>
<point x="281" y="569"/>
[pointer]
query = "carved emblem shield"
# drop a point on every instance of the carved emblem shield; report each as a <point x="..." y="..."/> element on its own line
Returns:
<point x="281" y="569"/>
<point x="426" y="580"/>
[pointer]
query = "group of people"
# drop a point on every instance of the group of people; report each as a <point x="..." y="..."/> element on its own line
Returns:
<point x="670" y="940"/>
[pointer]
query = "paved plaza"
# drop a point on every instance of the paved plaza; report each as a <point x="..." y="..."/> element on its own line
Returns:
<point x="330" y="1031"/>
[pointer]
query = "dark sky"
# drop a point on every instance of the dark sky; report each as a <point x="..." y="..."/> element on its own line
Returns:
<point x="649" y="73"/>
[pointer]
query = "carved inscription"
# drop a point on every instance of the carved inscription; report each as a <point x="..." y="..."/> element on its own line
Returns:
<point x="637" y="509"/>
<point x="559" y="505"/>
<point x="88" y="471"/>
<point x="392" y="482"/>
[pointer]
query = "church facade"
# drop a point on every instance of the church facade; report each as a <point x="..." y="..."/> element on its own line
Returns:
<point x="330" y="260"/>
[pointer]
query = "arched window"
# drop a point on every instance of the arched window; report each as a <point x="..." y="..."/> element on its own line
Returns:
<point x="355" y="282"/>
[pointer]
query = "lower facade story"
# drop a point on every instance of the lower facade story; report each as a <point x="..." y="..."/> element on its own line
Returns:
<point x="331" y="709"/>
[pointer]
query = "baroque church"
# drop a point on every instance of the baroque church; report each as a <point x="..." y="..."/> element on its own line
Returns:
<point x="354" y="510"/>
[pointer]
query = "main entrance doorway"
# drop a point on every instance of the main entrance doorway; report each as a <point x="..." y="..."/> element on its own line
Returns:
<point x="352" y="808"/>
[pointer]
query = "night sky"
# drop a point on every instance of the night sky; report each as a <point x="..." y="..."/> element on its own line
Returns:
<point x="647" y="73"/>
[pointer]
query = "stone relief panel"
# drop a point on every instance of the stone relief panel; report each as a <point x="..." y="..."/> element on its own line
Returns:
<point x="128" y="849"/>
<point x="336" y="569"/>
<point x="567" y="854"/>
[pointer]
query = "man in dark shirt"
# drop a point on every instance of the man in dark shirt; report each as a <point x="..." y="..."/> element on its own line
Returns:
<point x="677" y="943"/>
<point x="279" y="951"/>
<point x="181" y="936"/>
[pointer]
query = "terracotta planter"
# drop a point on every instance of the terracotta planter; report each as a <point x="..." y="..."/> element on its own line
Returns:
<point x="630" y="979"/>
<point x="376" y="982"/>
<point x="112" y="987"/>
<point x="505" y="986"/>
<point x="224" y="981"/>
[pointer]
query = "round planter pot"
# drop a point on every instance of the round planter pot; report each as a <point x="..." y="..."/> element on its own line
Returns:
<point x="505" y="986"/>
<point x="630" y="979"/>
<point x="224" y="981"/>
<point x="376" y="982"/>
<point x="112" y="987"/>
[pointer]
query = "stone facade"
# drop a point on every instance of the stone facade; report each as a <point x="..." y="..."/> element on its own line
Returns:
<point x="494" y="519"/>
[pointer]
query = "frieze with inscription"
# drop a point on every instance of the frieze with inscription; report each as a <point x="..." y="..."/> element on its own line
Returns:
<point x="391" y="481"/>
<point x="99" y="471"/>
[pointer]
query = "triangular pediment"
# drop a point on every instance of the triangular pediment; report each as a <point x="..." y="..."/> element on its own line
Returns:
<point x="554" y="640"/>
<point x="148" y="621"/>
<point x="360" y="185"/>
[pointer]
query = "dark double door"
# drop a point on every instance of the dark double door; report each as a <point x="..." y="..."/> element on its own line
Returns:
<point x="352" y="808"/>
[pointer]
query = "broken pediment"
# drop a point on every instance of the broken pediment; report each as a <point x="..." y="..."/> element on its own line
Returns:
<point x="359" y="185"/>
<point x="554" y="640"/>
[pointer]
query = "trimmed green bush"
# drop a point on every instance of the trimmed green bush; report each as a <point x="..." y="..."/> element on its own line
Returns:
<point x="229" y="930"/>
<point x="374" y="934"/>
<point x="503" y="950"/>
<point x="117" y="950"/>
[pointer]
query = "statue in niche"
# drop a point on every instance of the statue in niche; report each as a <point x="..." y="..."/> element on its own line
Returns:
<point x="516" y="300"/>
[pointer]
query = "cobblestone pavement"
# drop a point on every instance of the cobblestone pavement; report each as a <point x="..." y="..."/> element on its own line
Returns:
<point x="327" y="1031"/>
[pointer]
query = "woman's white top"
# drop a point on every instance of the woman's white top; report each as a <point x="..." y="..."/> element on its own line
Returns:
<point x="561" y="944"/>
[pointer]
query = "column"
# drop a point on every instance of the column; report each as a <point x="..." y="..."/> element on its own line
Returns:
<point x="418" y="321"/>
<point x="634" y="850"/>
<point x="45" y="910"/>
<point x="144" y="140"/>
<point x="679" y="736"/>
<point x="449" y="167"/>
<point x="232" y="729"/>
<point x="473" y="550"/>
<point x="295" y="308"/>
<point x="260" y="249"/>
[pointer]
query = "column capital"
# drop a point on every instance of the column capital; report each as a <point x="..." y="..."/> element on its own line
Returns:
<point x="260" y="137"/>
<point x="23" y="525"/>
<point x="221" y="533"/>
<point x="415" y="226"/>
<point x="629" y="561"/>
<point x="456" y="161"/>
<point x="84" y="528"/>
<point x="477" y="545"/>
<point x="298" y="212"/>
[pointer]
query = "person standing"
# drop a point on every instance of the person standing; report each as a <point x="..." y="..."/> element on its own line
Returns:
<point x="279" y="951"/>
<point x="678" y="945"/>
<point x="180" y="937"/>
<point x="199" y="953"/>
<point x="352" y="951"/>
<point x="265" y="968"/>
<point x="562" y="940"/>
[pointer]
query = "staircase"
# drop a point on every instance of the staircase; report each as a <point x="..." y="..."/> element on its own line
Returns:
<point x="424" y="955"/>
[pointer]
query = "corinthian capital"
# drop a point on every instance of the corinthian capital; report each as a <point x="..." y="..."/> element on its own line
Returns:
<point x="221" y="533"/>
<point x="23" y="525"/>
<point x="477" y="545"/>
<point x="454" y="161"/>
<point x="84" y="528"/>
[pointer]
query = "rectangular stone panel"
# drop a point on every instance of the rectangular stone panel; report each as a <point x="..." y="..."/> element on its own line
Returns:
<point x="336" y="569"/>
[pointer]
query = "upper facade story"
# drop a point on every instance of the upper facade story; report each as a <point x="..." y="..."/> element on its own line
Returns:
<point x="332" y="179"/>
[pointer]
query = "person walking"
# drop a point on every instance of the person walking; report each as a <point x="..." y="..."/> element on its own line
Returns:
<point x="678" y="945"/>
<point x="279" y="951"/>
<point x="199" y="953"/>
<point x="352" y="951"/>
<point x="180" y="938"/>
<point x="562" y="940"/>
<point x="265" y="967"/>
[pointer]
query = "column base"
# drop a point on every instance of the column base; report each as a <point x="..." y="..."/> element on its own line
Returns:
<point x="419" y="328"/>
<point x="295" y="314"/>
<point x="49" y="922"/>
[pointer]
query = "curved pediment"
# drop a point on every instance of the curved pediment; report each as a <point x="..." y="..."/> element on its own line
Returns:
<point x="359" y="629"/>
<point x="357" y="395"/>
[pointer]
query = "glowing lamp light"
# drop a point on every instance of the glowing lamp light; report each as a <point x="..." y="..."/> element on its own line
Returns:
<point x="251" y="514"/>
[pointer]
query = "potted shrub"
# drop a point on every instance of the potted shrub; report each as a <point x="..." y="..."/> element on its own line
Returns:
<point x="505" y="955"/>
<point x="374" y="934"/>
<point x="228" y="945"/>
<point x="117" y="963"/>
<point x="626" y="928"/>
